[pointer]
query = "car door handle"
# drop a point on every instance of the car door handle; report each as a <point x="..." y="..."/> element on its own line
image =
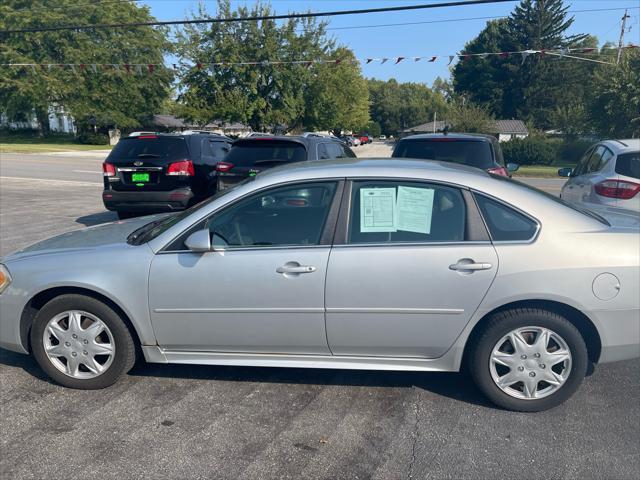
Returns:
<point x="295" y="267"/>
<point x="470" y="267"/>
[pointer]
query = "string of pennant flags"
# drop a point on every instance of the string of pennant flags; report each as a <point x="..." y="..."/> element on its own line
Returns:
<point x="139" y="68"/>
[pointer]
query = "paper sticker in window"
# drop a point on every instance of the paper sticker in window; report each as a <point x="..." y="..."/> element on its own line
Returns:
<point x="377" y="210"/>
<point x="414" y="209"/>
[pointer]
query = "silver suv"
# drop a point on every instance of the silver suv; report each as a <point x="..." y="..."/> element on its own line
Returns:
<point x="608" y="175"/>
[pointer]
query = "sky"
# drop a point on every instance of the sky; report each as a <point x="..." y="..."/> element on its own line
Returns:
<point x="453" y="27"/>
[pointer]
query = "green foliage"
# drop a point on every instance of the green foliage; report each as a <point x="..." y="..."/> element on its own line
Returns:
<point x="337" y="97"/>
<point x="572" y="150"/>
<point x="470" y="118"/>
<point x="531" y="151"/>
<point x="111" y="98"/>
<point x="398" y="106"/>
<point x="90" y="138"/>
<point x="373" y="129"/>
<point x="320" y="96"/>
<point x="615" y="102"/>
<point x="543" y="89"/>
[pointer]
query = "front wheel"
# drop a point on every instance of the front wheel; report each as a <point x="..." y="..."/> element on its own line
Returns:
<point x="81" y="342"/>
<point x="528" y="359"/>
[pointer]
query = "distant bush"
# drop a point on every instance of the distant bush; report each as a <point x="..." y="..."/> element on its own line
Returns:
<point x="89" y="138"/>
<point x="531" y="151"/>
<point x="572" y="150"/>
<point x="544" y="151"/>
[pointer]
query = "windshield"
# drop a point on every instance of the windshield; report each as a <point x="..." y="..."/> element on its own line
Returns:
<point x="248" y="153"/>
<point x="163" y="148"/>
<point x="151" y="230"/>
<point x="583" y="211"/>
<point x="464" y="152"/>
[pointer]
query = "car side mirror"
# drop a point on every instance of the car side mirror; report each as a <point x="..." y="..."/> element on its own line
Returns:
<point x="199" y="241"/>
<point x="512" y="167"/>
<point x="565" y="172"/>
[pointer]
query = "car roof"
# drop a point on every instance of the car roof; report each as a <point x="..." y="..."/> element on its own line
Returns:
<point x="623" y="145"/>
<point x="306" y="141"/>
<point x="212" y="136"/>
<point x="479" y="137"/>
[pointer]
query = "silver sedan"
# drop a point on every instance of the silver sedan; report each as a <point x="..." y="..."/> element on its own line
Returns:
<point x="358" y="264"/>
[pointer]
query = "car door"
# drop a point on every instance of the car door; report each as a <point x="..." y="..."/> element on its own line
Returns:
<point x="262" y="288"/>
<point x="591" y="174"/>
<point x="571" y="189"/>
<point x="411" y="263"/>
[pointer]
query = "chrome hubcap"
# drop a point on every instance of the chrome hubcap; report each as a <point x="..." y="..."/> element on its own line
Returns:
<point x="79" y="344"/>
<point x="530" y="363"/>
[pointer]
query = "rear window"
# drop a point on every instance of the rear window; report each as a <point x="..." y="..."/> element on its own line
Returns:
<point x="162" y="148"/>
<point x="265" y="152"/>
<point x="464" y="152"/>
<point x="628" y="164"/>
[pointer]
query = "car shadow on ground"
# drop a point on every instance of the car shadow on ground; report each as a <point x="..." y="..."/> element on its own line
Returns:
<point x="457" y="386"/>
<point x="97" y="218"/>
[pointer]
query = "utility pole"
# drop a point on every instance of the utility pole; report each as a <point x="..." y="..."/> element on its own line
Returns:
<point x="621" y="41"/>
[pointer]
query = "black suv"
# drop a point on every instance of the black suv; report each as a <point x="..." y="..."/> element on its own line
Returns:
<point x="161" y="172"/>
<point x="248" y="156"/>
<point x="474" y="150"/>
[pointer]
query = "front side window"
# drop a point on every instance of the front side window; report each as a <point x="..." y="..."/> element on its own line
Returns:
<point x="505" y="224"/>
<point x="292" y="215"/>
<point x="405" y="212"/>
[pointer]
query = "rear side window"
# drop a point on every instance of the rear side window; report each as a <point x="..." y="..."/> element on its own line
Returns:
<point x="628" y="164"/>
<point x="265" y="152"/>
<point x="163" y="148"/>
<point x="464" y="152"/>
<point x="215" y="149"/>
<point x="406" y="212"/>
<point x="505" y="224"/>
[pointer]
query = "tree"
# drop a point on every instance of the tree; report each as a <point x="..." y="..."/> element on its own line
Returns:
<point x="267" y="94"/>
<point x="397" y="106"/>
<point x="531" y="88"/>
<point x="337" y="97"/>
<point x="106" y="96"/>
<point x="464" y="116"/>
<point x="615" y="102"/>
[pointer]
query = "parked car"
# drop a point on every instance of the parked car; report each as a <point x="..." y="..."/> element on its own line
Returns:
<point x="474" y="150"/>
<point x="161" y="172"/>
<point x="350" y="140"/>
<point x="249" y="156"/>
<point x="607" y="175"/>
<point x="365" y="138"/>
<point x="382" y="138"/>
<point x="359" y="264"/>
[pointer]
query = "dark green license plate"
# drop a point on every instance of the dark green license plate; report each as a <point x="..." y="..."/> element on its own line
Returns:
<point x="140" y="177"/>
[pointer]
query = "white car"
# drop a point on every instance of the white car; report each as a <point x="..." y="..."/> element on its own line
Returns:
<point x="607" y="175"/>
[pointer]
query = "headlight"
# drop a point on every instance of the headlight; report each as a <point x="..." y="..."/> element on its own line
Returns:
<point x="5" y="278"/>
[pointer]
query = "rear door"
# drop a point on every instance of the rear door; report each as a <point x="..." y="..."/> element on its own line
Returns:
<point x="409" y="272"/>
<point x="141" y="163"/>
<point x="249" y="156"/>
<point x="571" y="190"/>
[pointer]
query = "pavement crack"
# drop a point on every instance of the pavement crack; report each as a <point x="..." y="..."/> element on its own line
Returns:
<point x="416" y="433"/>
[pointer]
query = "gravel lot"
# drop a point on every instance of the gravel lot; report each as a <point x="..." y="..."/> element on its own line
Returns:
<point x="213" y="422"/>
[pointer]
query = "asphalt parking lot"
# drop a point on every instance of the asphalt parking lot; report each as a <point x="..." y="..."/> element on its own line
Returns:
<point x="176" y="421"/>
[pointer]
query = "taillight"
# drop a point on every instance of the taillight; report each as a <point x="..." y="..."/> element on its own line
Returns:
<point x="108" y="170"/>
<point x="223" y="166"/>
<point x="183" y="168"/>
<point x="499" y="171"/>
<point x="617" y="189"/>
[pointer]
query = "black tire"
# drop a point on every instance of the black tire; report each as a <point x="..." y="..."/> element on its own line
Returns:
<point x="500" y="325"/>
<point x="122" y="215"/>
<point x="125" y="355"/>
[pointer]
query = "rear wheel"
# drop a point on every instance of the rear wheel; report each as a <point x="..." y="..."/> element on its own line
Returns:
<point x="528" y="359"/>
<point x="81" y="343"/>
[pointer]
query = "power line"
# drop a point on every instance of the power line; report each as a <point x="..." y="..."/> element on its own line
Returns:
<point x="334" y="13"/>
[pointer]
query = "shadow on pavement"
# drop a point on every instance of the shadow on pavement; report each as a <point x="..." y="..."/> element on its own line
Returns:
<point x="97" y="218"/>
<point x="457" y="386"/>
